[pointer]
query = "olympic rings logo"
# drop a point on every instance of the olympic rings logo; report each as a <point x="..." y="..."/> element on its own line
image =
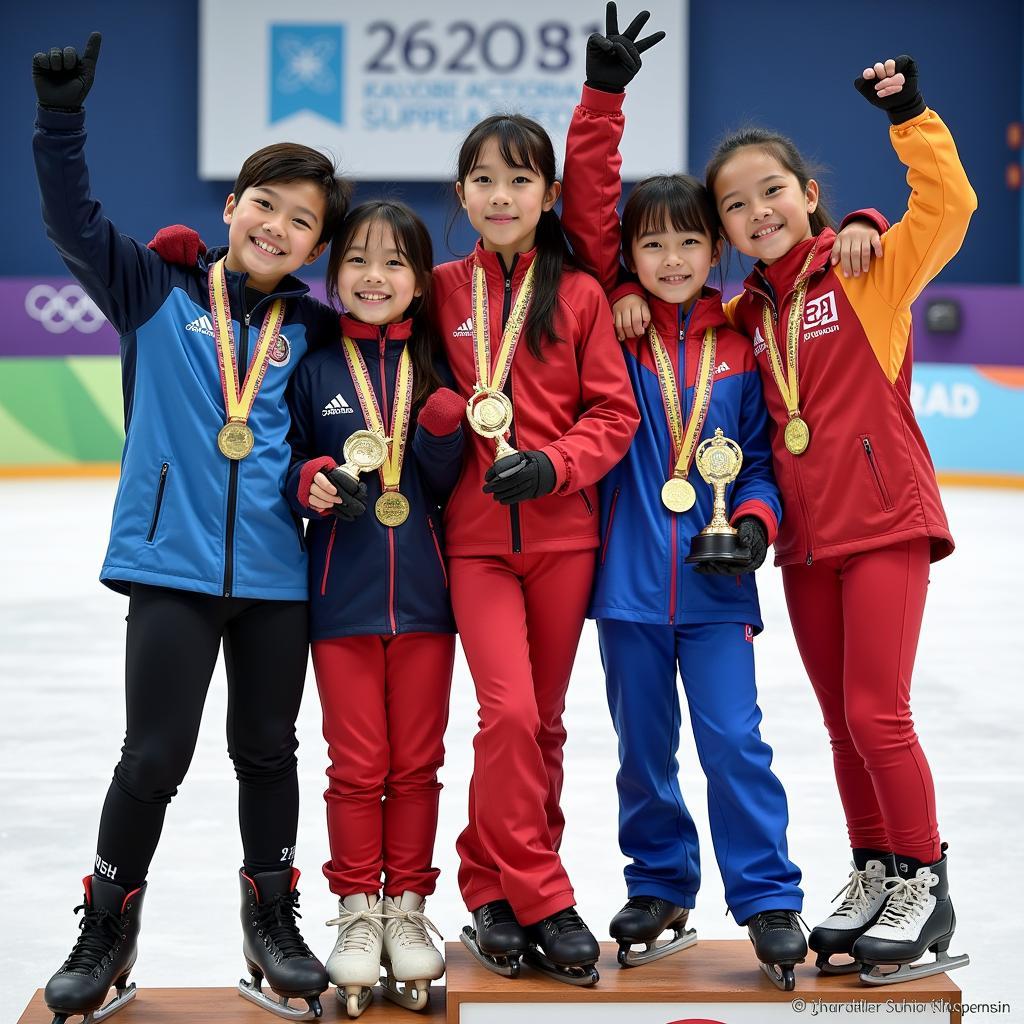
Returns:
<point x="58" y="310"/>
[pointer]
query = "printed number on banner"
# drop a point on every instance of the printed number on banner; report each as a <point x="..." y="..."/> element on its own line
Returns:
<point x="502" y="47"/>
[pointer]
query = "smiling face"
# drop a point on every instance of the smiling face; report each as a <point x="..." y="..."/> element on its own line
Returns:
<point x="504" y="203"/>
<point x="273" y="229"/>
<point x="673" y="265"/>
<point x="764" y="210"/>
<point x="376" y="281"/>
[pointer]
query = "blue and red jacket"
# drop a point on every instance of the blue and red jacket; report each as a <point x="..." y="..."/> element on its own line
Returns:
<point x="365" y="577"/>
<point x="185" y="516"/>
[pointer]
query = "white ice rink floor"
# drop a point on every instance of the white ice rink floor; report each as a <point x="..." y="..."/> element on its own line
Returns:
<point x="62" y="723"/>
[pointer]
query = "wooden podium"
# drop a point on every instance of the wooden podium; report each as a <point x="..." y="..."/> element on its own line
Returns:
<point x="713" y="982"/>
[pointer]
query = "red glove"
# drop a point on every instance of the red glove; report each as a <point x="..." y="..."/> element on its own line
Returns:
<point x="178" y="244"/>
<point x="442" y="412"/>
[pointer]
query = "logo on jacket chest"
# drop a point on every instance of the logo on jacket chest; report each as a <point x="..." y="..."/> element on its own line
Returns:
<point x="465" y="329"/>
<point x="337" y="406"/>
<point x="281" y="351"/>
<point x="821" y="316"/>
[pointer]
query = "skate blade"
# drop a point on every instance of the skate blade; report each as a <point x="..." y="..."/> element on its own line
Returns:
<point x="826" y="966"/>
<point x="629" y="957"/>
<point x="507" y="966"/>
<point x="414" y="996"/>
<point x="122" y="999"/>
<point x="581" y="977"/>
<point x="280" y="1005"/>
<point x="908" y="972"/>
<point x="781" y="976"/>
<point x="354" y="1002"/>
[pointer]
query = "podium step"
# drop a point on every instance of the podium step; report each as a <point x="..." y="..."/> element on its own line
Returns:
<point x="713" y="982"/>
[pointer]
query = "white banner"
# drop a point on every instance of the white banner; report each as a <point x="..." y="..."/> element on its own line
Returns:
<point x="391" y="91"/>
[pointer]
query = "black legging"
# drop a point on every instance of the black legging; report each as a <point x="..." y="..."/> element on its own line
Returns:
<point x="173" y="640"/>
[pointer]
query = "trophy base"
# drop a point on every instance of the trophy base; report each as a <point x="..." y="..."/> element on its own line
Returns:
<point x="717" y="547"/>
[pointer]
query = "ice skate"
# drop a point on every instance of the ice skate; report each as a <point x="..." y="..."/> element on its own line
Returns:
<point x="562" y="947"/>
<point x="409" y="957"/>
<point x="354" y="963"/>
<point x="779" y="945"/>
<point x="863" y="898"/>
<point x="918" y="917"/>
<point x="273" y="947"/>
<point x="642" y="920"/>
<point x="103" y="955"/>
<point x="496" y="939"/>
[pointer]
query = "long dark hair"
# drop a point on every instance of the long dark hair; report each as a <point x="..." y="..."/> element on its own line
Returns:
<point x="781" y="148"/>
<point x="522" y="142"/>
<point x="412" y="240"/>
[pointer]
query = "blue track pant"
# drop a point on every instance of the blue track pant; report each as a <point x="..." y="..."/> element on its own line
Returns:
<point x="746" y="802"/>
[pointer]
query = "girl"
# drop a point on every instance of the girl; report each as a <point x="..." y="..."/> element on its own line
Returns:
<point x="865" y="517"/>
<point x="657" y="615"/>
<point x="381" y="623"/>
<point x="522" y="530"/>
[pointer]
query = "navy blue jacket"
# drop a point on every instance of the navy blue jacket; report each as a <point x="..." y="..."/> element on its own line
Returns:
<point x="365" y="577"/>
<point x="185" y="516"/>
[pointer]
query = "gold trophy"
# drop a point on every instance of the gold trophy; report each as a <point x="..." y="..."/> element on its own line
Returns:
<point x="490" y="415"/>
<point x="364" y="451"/>
<point x="719" y="460"/>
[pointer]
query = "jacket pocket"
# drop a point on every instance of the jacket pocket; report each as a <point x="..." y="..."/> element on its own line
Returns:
<point x="876" y="473"/>
<point x="437" y="548"/>
<point x="587" y="502"/>
<point x="297" y="520"/>
<point x="608" y="528"/>
<point x="158" y="504"/>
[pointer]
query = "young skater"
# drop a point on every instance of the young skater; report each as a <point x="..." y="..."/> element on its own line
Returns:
<point x="531" y="345"/>
<point x="864" y="515"/>
<point x="381" y="621"/>
<point x="656" y="614"/>
<point x="202" y="538"/>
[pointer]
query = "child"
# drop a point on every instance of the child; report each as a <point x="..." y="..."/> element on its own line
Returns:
<point x="381" y="622"/>
<point x="864" y="516"/>
<point x="656" y="614"/>
<point x="522" y="530"/>
<point x="202" y="538"/>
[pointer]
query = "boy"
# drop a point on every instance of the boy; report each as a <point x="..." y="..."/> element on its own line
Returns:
<point x="202" y="537"/>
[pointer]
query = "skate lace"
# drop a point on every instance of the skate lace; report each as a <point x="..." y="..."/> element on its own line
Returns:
<point x="770" y="920"/>
<point x="410" y="927"/>
<point x="907" y="899"/>
<point x="566" y="921"/>
<point x="498" y="912"/>
<point x="100" y="931"/>
<point x="648" y="904"/>
<point x="859" y="891"/>
<point x="362" y="928"/>
<point x="276" y="920"/>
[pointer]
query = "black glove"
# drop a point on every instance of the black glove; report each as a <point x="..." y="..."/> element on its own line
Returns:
<point x="613" y="59"/>
<point x="903" y="105"/>
<point x="352" y="493"/>
<point x="520" y="477"/>
<point x="62" y="78"/>
<point x="752" y="536"/>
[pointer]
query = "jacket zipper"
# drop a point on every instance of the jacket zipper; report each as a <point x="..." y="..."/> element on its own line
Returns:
<point x="229" y="531"/>
<point x="159" y="502"/>
<point x="506" y="309"/>
<point x="384" y="407"/>
<point x="437" y="548"/>
<point x="877" y="474"/>
<point x="587" y="502"/>
<point x="608" y="528"/>
<point x="327" y="560"/>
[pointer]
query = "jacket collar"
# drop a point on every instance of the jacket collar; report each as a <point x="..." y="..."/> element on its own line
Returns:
<point x="289" y="287"/>
<point x="781" y="276"/>
<point x="494" y="265"/>
<point x="357" y="330"/>
<point x="706" y="312"/>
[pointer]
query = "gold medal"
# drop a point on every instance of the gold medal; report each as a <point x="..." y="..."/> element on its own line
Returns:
<point x="678" y="495"/>
<point x="797" y="435"/>
<point x="235" y="440"/>
<point x="364" y="452"/>
<point x="392" y="508"/>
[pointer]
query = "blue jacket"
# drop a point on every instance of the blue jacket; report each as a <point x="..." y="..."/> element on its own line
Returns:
<point x="641" y="574"/>
<point x="184" y="516"/>
<point x="365" y="577"/>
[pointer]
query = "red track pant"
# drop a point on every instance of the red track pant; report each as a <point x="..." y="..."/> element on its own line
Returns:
<point x="857" y="621"/>
<point x="520" y="618"/>
<point x="385" y="705"/>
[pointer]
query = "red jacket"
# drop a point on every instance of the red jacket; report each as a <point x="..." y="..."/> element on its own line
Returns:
<point x="867" y="480"/>
<point x="576" y="406"/>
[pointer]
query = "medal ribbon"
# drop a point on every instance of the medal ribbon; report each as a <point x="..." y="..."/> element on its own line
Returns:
<point x="788" y="380"/>
<point x="238" y="403"/>
<point x="485" y="380"/>
<point x="684" y="443"/>
<point x="401" y="408"/>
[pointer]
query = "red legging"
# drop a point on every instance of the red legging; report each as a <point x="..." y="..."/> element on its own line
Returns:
<point x="385" y="704"/>
<point x="857" y="621"/>
<point x="520" y="618"/>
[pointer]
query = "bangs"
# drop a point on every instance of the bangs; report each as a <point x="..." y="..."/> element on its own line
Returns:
<point x="518" y="144"/>
<point x="671" y="202"/>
